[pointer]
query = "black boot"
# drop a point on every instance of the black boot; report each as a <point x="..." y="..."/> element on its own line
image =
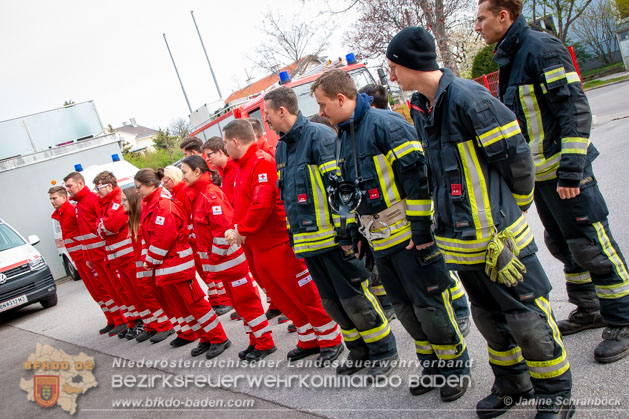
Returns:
<point x="562" y="410"/>
<point x="615" y="344"/>
<point x="381" y="368"/>
<point x="201" y="348"/>
<point x="217" y="348"/>
<point x="498" y="403"/>
<point x="581" y="319"/>
<point x="235" y="316"/>
<point x="106" y="329"/>
<point x="464" y="325"/>
<point x="450" y="393"/>
<point x="299" y="353"/>
<point x="160" y="336"/>
<point x="220" y="310"/>
<point x="178" y="341"/>
<point x="135" y="330"/>
<point x="120" y="328"/>
<point x="328" y="355"/>
<point x="145" y="335"/>
<point x="272" y="313"/>
<point x="351" y="366"/>
<point x="423" y="386"/>
<point x="258" y="354"/>
<point x="243" y="354"/>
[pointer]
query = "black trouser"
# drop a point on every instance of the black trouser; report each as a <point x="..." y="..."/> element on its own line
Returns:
<point x="578" y="234"/>
<point x="524" y="342"/>
<point x="343" y="284"/>
<point x="418" y="284"/>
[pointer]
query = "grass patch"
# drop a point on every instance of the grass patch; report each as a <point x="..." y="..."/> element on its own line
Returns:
<point x="592" y="71"/>
<point x="597" y="83"/>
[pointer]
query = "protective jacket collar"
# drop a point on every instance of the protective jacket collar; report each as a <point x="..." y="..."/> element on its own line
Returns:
<point x="510" y="43"/>
<point x="295" y="132"/>
<point x="363" y="104"/>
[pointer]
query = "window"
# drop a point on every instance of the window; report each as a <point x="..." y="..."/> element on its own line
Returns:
<point x="9" y="238"/>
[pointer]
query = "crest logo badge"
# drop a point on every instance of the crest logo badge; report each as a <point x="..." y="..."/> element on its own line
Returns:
<point x="46" y="389"/>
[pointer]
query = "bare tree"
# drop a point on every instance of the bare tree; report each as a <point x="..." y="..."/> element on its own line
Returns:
<point x="566" y="12"/>
<point x="379" y="20"/>
<point x="597" y="29"/>
<point x="180" y="128"/>
<point x="287" y="39"/>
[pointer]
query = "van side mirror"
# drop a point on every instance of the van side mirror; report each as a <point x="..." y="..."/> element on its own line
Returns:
<point x="33" y="239"/>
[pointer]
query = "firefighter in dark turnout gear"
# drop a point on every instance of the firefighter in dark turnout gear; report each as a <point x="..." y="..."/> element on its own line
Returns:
<point x="539" y="83"/>
<point x="381" y="154"/>
<point x="481" y="178"/>
<point x="305" y="158"/>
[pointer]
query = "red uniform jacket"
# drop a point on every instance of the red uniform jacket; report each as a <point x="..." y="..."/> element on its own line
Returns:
<point x="114" y="228"/>
<point x="259" y="212"/>
<point x="66" y="215"/>
<point x="228" y="173"/>
<point x="164" y="233"/>
<point x="212" y="216"/>
<point x="87" y="212"/>
<point x="263" y="144"/>
<point x="180" y="196"/>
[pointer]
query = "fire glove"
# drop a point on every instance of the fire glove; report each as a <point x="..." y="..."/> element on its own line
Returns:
<point x="501" y="262"/>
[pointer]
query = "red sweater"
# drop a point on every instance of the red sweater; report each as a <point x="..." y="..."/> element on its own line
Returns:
<point x="114" y="228"/>
<point x="66" y="215"/>
<point x="87" y="213"/>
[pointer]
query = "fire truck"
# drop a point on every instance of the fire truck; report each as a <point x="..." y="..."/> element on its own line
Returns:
<point x="205" y="125"/>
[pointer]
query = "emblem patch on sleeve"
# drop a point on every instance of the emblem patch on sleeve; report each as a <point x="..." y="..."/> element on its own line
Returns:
<point x="115" y="206"/>
<point x="262" y="177"/>
<point x="159" y="220"/>
<point x="217" y="210"/>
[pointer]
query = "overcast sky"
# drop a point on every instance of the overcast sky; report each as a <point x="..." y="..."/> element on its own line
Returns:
<point x="113" y="52"/>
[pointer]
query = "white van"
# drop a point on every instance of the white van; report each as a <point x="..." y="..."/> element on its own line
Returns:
<point x="25" y="278"/>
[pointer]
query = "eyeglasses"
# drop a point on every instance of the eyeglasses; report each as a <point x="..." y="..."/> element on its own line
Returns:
<point x="209" y="153"/>
<point x="99" y="187"/>
<point x="138" y="186"/>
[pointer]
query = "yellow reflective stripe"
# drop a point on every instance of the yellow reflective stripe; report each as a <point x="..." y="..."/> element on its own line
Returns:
<point x="378" y="290"/>
<point x="327" y="167"/>
<point x="620" y="289"/>
<point x="374" y="302"/>
<point x="450" y="351"/>
<point x="322" y="210"/>
<point x="575" y="145"/>
<point x="476" y="188"/>
<point x="403" y="149"/>
<point x="314" y="235"/>
<point x="336" y="219"/>
<point x="554" y="75"/>
<point x="386" y="180"/>
<point x="456" y="291"/>
<point x="553" y="367"/>
<point x="423" y="347"/>
<point x="314" y="246"/>
<point x="402" y="235"/>
<point x="419" y="207"/>
<point x="505" y="358"/>
<point x="499" y="133"/>
<point x="533" y="116"/>
<point x="579" y="278"/>
<point x="350" y="335"/>
<point x="523" y="200"/>
<point x="572" y="77"/>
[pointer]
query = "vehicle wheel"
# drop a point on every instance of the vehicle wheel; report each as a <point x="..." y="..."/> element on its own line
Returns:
<point x="70" y="269"/>
<point x="50" y="301"/>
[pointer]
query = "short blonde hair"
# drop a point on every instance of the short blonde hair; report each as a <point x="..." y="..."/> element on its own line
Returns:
<point x="174" y="173"/>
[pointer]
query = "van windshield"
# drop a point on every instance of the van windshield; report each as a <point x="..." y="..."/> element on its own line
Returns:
<point x="8" y="238"/>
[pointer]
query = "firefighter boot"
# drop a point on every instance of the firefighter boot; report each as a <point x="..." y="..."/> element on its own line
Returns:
<point x="381" y="368"/>
<point x="328" y="355"/>
<point x="615" y="344"/>
<point x="450" y="392"/>
<point x="497" y="403"/>
<point x="299" y="353"/>
<point x="561" y="410"/>
<point x="581" y="319"/>
<point x="217" y="348"/>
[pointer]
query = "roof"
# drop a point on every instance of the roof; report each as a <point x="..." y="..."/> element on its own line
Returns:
<point x="262" y="84"/>
<point x="137" y="130"/>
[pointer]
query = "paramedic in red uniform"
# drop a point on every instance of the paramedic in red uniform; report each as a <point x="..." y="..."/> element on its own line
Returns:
<point x="163" y="228"/>
<point x="260" y="223"/>
<point x="87" y="211"/>
<point x="65" y="214"/>
<point x="212" y="216"/>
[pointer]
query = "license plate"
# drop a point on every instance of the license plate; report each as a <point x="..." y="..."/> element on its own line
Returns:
<point x="13" y="303"/>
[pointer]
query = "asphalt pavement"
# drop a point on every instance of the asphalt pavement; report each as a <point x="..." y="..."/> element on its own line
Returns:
<point x="304" y="390"/>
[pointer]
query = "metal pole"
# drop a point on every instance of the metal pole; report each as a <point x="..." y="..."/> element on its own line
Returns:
<point x="206" y="57"/>
<point x="177" y="71"/>
<point x="30" y="137"/>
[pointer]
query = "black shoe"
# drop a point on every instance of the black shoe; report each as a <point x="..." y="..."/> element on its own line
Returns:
<point x="201" y="348"/>
<point x="390" y="314"/>
<point x="450" y="393"/>
<point x="272" y="313"/>
<point x="258" y="354"/>
<point x="615" y="344"/>
<point x="106" y="329"/>
<point x="291" y="328"/>
<point x="328" y="355"/>
<point x="299" y="353"/>
<point x="420" y="388"/>
<point x="220" y="310"/>
<point x="118" y="329"/>
<point x="123" y="333"/>
<point x="464" y="325"/>
<point x="561" y="411"/>
<point x="235" y="316"/>
<point x="135" y="330"/>
<point x="498" y="403"/>
<point x="282" y="319"/>
<point x="351" y="366"/>
<point x="381" y="368"/>
<point x="243" y="354"/>
<point x="145" y="335"/>
<point x="160" y="336"/>
<point x="581" y="319"/>
<point x="177" y="342"/>
<point x="217" y="348"/>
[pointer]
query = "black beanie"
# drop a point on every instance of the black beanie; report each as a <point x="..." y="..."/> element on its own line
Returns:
<point x="414" y="48"/>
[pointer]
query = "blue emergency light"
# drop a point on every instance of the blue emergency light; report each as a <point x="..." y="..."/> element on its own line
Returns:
<point x="350" y="58"/>
<point x="284" y="77"/>
<point x="78" y="167"/>
<point x="115" y="157"/>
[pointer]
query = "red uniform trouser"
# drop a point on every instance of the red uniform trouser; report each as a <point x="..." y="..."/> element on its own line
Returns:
<point x="294" y="292"/>
<point x="141" y="301"/>
<point x="110" y="281"/>
<point x="215" y="289"/>
<point x="245" y="297"/>
<point x="257" y="278"/>
<point x="98" y="292"/>
<point x="188" y="299"/>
